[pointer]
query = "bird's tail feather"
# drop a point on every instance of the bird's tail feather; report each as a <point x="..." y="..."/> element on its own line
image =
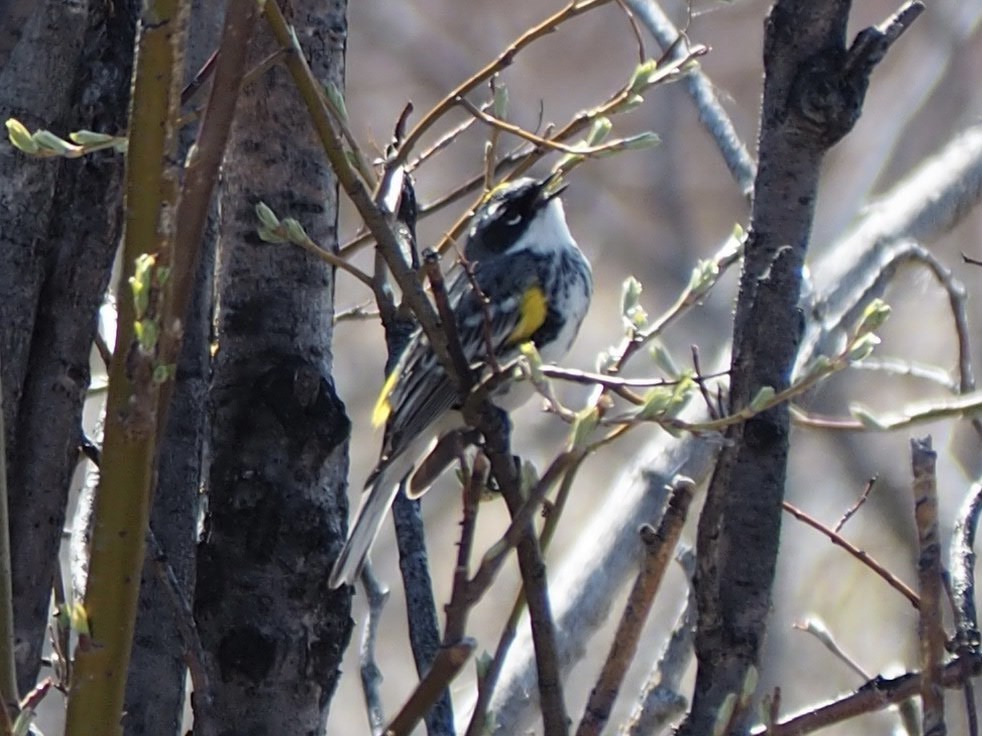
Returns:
<point x="368" y="521"/>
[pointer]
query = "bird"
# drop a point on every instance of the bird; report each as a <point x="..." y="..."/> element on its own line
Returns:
<point x="523" y="278"/>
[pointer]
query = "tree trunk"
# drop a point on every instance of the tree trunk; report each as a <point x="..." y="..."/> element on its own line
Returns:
<point x="279" y="436"/>
<point x="71" y="70"/>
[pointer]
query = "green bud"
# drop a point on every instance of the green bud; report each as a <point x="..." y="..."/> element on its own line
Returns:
<point x="569" y="160"/>
<point x="762" y="399"/>
<point x="294" y="231"/>
<point x="820" y="366"/>
<point x="163" y="373"/>
<point x="531" y="354"/>
<point x="336" y="100"/>
<point x="643" y="76"/>
<point x="862" y="347"/>
<point x="605" y="361"/>
<point x="631" y="103"/>
<point x="656" y="401"/>
<point x="266" y="216"/>
<point x="680" y="395"/>
<point x="641" y="141"/>
<point x="586" y="421"/>
<point x="79" y="618"/>
<point x="50" y="142"/>
<point x="147" y="333"/>
<point x="141" y="282"/>
<point x="90" y="138"/>
<point x="704" y="275"/>
<point x="632" y="312"/>
<point x="599" y="131"/>
<point x="874" y="316"/>
<point x="20" y="137"/>
<point x="663" y="359"/>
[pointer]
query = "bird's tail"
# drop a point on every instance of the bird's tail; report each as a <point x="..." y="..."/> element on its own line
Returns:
<point x="375" y="503"/>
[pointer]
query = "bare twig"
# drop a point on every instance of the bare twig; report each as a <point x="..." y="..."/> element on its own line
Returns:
<point x="962" y="561"/>
<point x="446" y="667"/>
<point x="537" y="140"/>
<point x="863" y="497"/>
<point x="700" y="88"/>
<point x="379" y="223"/>
<point x="460" y="603"/>
<point x="487" y="682"/>
<point x="371" y="677"/>
<point x="872" y="43"/>
<point x="504" y="59"/>
<point x="493" y="425"/>
<point x="448" y="322"/>
<point x="909" y="369"/>
<point x="659" y="546"/>
<point x="661" y="701"/>
<point x="877" y="694"/>
<point x="197" y="659"/>
<point x="967" y="638"/>
<point x="817" y="628"/>
<point x="930" y="627"/>
<point x="421" y="610"/>
<point x="892" y="580"/>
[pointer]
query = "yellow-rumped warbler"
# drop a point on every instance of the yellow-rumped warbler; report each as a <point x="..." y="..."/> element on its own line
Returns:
<point x="538" y="287"/>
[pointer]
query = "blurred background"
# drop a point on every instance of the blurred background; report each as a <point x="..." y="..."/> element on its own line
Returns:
<point x="654" y="214"/>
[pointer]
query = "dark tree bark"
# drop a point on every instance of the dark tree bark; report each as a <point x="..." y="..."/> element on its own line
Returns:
<point x="70" y="70"/>
<point x="813" y="94"/>
<point x="279" y="438"/>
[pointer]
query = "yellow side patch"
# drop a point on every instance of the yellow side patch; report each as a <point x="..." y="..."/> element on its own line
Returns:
<point x="532" y="313"/>
<point x="380" y="414"/>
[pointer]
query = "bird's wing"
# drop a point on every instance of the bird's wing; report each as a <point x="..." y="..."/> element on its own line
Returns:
<point x="418" y="391"/>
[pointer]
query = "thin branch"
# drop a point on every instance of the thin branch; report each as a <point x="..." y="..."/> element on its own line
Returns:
<point x="537" y="140"/>
<point x="962" y="561"/>
<point x="493" y="424"/>
<point x="908" y="369"/>
<point x="850" y="512"/>
<point x="520" y="522"/>
<point x="875" y="695"/>
<point x="379" y="223"/>
<point x="872" y="43"/>
<point x="421" y="609"/>
<point x="930" y="627"/>
<point x="371" y="677"/>
<point x="135" y="400"/>
<point x="711" y="113"/>
<point x="817" y="628"/>
<point x="460" y="601"/>
<point x="658" y="548"/>
<point x="504" y="59"/>
<point x="195" y="656"/>
<point x="661" y="701"/>
<point x="447" y="665"/>
<point x="486" y="683"/>
<point x="892" y="580"/>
